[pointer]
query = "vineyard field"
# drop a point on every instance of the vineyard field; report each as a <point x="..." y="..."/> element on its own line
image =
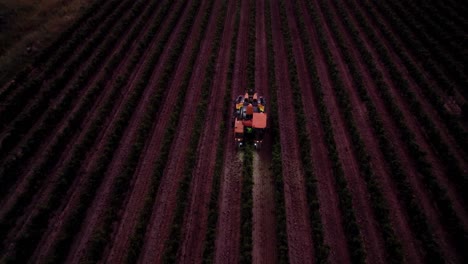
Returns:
<point x="117" y="143"/>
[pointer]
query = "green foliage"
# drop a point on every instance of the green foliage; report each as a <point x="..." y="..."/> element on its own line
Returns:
<point x="122" y="181"/>
<point x="175" y="237"/>
<point x="27" y="242"/>
<point x="321" y="249"/>
<point x="449" y="217"/>
<point x="210" y="237"/>
<point x="378" y="201"/>
<point x="14" y="163"/>
<point x="277" y="166"/>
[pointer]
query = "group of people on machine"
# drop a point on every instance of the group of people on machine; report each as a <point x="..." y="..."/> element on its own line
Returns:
<point x="247" y="105"/>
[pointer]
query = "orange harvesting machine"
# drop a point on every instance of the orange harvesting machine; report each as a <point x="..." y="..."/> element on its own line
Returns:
<point x="250" y="119"/>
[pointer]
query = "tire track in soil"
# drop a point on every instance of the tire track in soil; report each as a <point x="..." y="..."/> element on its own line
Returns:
<point x="371" y="235"/>
<point x="334" y="234"/>
<point x="55" y="228"/>
<point x="160" y="225"/>
<point x="146" y="165"/>
<point x="43" y="193"/>
<point x="398" y="216"/>
<point x="414" y="178"/>
<point x="414" y="125"/>
<point x="228" y="227"/>
<point x="264" y="219"/>
<point x="95" y="211"/>
<point x="196" y="215"/>
<point x="301" y="249"/>
<point x="439" y="167"/>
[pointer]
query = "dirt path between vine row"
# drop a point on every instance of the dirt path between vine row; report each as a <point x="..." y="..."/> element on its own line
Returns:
<point x="398" y="217"/>
<point x="413" y="124"/>
<point x="330" y="212"/>
<point x="45" y="189"/>
<point x="76" y="189"/>
<point x="400" y="147"/>
<point x="166" y="202"/>
<point x="96" y="209"/>
<point x="150" y="155"/>
<point x="195" y="219"/>
<point x="441" y="170"/>
<point x="228" y="227"/>
<point x="264" y="218"/>
<point x="300" y="243"/>
<point x="371" y="235"/>
<point x="54" y="229"/>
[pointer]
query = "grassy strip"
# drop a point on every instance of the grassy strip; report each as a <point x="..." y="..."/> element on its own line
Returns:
<point x="13" y="168"/>
<point x="59" y="143"/>
<point x="25" y="120"/>
<point x="277" y="163"/>
<point x="173" y="241"/>
<point x="439" y="194"/>
<point x="378" y="201"/>
<point x="98" y="242"/>
<point x="352" y="232"/>
<point x="19" y="100"/>
<point x="321" y="249"/>
<point x="210" y="237"/>
<point x="27" y="242"/>
<point x="429" y="90"/>
<point x="138" y="236"/>
<point x="418" y="219"/>
<point x="53" y="48"/>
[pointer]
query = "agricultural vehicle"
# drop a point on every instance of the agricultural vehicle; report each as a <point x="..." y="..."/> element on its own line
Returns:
<point x="250" y="119"/>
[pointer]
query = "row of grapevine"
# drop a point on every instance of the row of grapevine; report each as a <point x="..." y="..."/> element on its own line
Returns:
<point x="102" y="233"/>
<point x="74" y="220"/>
<point x="418" y="46"/>
<point x="439" y="194"/>
<point x="355" y="243"/>
<point x="378" y="200"/>
<point x="437" y="39"/>
<point x="428" y="88"/>
<point x="213" y="213"/>
<point x="276" y="166"/>
<point x="16" y="104"/>
<point x="419" y="222"/>
<point x="386" y="146"/>
<point x="53" y="116"/>
<point x="55" y="47"/>
<point x="351" y="227"/>
<point x="70" y="171"/>
<point x="61" y="139"/>
<point x="175" y="237"/>
<point x="246" y="238"/>
<point x="11" y="169"/>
